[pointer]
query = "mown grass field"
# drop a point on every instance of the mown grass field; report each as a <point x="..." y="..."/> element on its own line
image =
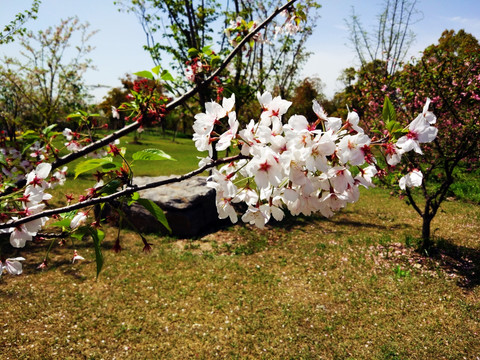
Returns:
<point x="182" y="150"/>
<point x="350" y="287"/>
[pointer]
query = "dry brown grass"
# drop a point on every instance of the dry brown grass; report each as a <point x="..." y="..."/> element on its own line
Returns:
<point x="351" y="287"/>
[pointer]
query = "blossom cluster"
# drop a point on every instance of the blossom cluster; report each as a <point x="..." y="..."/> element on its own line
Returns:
<point x="304" y="167"/>
<point x="193" y="69"/>
<point x="291" y="25"/>
<point x="16" y="163"/>
<point x="420" y="131"/>
<point x="33" y="198"/>
<point x="32" y="201"/>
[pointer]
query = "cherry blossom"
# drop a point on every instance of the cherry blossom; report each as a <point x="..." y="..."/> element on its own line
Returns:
<point x="266" y="169"/>
<point x="351" y="149"/>
<point x="272" y="107"/>
<point x="67" y="133"/>
<point x="74" y="146"/>
<point x="419" y="131"/>
<point x="115" y="113"/>
<point x="353" y="120"/>
<point x="412" y="179"/>
<point x="226" y="138"/>
<point x="13" y="266"/>
<point x="299" y="166"/>
<point x="76" y="256"/>
<point x="78" y="220"/>
<point x="59" y="177"/>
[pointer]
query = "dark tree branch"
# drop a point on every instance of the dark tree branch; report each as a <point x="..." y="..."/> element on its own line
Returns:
<point x="172" y="105"/>
<point x="125" y="192"/>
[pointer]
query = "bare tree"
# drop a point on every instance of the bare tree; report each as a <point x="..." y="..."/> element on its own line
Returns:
<point x="391" y="40"/>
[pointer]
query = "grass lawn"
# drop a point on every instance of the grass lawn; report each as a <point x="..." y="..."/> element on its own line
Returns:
<point x="182" y="149"/>
<point x="350" y="287"/>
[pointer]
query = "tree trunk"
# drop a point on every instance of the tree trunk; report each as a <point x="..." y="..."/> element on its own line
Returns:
<point x="426" y="240"/>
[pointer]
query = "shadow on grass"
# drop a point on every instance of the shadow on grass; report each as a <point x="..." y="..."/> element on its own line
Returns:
<point x="60" y="256"/>
<point x="363" y="225"/>
<point x="459" y="260"/>
<point x="288" y="223"/>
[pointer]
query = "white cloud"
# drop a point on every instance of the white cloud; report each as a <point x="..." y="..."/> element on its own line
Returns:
<point x="470" y="22"/>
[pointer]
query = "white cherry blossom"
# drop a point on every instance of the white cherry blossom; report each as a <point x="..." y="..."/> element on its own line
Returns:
<point x="413" y="179"/>
<point x="12" y="265"/>
<point x="78" y="220"/>
<point x="295" y="166"/>
<point x="419" y="131"/>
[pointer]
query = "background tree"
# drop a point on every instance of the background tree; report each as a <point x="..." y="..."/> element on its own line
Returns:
<point x="309" y="89"/>
<point x="16" y="25"/>
<point x="380" y="53"/>
<point x="448" y="73"/>
<point x="48" y="78"/>
<point x="391" y="40"/>
<point x="173" y="27"/>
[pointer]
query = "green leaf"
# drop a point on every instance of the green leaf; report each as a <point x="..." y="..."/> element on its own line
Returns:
<point x="166" y="76"/>
<point x="214" y="60"/>
<point x="389" y="125"/>
<point x="111" y="166"/>
<point x="110" y="187"/>
<point x="151" y="154"/>
<point x="74" y="116"/>
<point x="144" y="74"/>
<point x="192" y="52"/>
<point x="62" y="223"/>
<point x="399" y="133"/>
<point x="135" y="197"/>
<point x="30" y="134"/>
<point x="156" y="69"/>
<point x="388" y="112"/>
<point x="91" y="164"/>
<point x="69" y="214"/>
<point x="80" y="232"/>
<point x="206" y="50"/>
<point x="48" y="129"/>
<point x="97" y="236"/>
<point x="2" y="159"/>
<point x="156" y="211"/>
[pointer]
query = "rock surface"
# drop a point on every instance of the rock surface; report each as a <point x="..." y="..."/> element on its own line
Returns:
<point x="189" y="207"/>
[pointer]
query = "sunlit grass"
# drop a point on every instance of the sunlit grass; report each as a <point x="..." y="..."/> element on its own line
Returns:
<point x="350" y="287"/>
<point x="182" y="150"/>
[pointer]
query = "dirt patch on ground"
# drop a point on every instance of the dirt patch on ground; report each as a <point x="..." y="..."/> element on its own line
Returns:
<point x="454" y="262"/>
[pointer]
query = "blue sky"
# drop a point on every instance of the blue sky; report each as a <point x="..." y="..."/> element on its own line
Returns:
<point x="118" y="44"/>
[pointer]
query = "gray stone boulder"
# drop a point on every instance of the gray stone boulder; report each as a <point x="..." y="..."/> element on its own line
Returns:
<point x="189" y="207"/>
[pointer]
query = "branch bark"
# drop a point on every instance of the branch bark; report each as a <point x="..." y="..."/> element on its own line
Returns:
<point x="128" y="190"/>
<point x="179" y="101"/>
